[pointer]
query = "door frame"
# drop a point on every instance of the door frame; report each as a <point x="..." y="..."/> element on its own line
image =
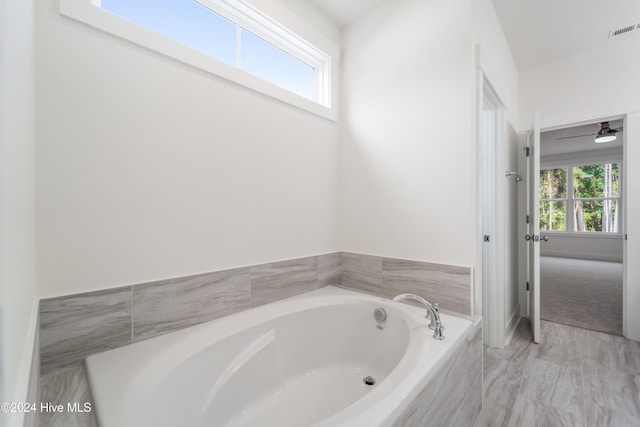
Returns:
<point x="489" y="294"/>
<point x="554" y="122"/>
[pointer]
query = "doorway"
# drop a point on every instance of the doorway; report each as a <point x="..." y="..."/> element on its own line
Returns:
<point x="581" y="220"/>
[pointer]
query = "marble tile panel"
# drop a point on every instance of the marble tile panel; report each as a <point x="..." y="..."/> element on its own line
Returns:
<point x="410" y="416"/>
<point x="169" y="305"/>
<point x="449" y="286"/>
<point x="67" y="386"/>
<point x="441" y="400"/>
<point x="76" y="326"/>
<point x="471" y="406"/>
<point x="612" y="390"/>
<point x="329" y="270"/>
<point x="278" y="280"/>
<point x="362" y="272"/>
<point x="474" y="352"/>
<point x="554" y="385"/>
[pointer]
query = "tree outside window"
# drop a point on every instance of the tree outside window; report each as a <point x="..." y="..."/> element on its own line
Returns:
<point x="582" y="198"/>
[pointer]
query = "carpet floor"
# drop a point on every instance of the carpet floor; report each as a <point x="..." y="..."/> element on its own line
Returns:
<point x="582" y="293"/>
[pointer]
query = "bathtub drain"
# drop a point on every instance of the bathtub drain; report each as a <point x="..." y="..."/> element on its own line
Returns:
<point x="369" y="381"/>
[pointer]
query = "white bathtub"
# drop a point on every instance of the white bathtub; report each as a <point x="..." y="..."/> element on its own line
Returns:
<point x="296" y="362"/>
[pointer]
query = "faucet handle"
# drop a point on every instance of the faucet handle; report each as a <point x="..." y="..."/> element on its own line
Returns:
<point x="437" y="331"/>
<point x="434" y="322"/>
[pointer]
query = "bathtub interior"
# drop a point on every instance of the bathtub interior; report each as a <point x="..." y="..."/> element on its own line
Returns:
<point x="294" y="368"/>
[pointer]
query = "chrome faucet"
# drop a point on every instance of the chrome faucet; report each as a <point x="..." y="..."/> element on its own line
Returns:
<point x="432" y="313"/>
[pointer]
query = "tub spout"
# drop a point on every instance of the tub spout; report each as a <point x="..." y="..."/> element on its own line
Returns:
<point x="432" y="313"/>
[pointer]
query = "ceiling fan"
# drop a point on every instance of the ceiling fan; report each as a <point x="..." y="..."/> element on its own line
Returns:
<point x="605" y="134"/>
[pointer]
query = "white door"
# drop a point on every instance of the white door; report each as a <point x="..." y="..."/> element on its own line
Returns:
<point x="533" y="234"/>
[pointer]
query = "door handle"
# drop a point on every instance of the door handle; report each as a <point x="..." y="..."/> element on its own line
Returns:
<point x="534" y="238"/>
<point x="545" y="238"/>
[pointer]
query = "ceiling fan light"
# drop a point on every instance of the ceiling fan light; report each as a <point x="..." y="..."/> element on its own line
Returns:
<point x="605" y="138"/>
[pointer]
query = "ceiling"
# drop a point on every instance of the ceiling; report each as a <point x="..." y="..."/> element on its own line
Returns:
<point x="542" y="31"/>
<point x="344" y="12"/>
<point x="538" y="31"/>
<point x="551" y="145"/>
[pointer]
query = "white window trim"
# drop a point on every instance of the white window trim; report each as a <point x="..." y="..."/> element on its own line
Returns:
<point x="569" y="165"/>
<point x="89" y="12"/>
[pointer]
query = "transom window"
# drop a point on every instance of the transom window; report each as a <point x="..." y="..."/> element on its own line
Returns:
<point x="228" y="38"/>
<point x="234" y="33"/>
<point x="584" y="198"/>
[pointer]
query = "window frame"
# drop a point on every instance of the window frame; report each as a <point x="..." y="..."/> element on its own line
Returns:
<point x="245" y="16"/>
<point x="570" y="199"/>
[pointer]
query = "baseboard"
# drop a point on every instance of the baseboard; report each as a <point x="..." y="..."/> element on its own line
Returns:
<point x="583" y="255"/>
<point x="28" y="377"/>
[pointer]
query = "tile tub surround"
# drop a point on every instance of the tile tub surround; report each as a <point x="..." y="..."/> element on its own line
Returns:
<point x="449" y="286"/>
<point x="76" y="326"/>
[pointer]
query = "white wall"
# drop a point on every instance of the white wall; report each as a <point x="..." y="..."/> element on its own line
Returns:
<point x="603" y="248"/>
<point x="583" y="88"/>
<point x="407" y="153"/>
<point x="17" y="243"/>
<point x="149" y="169"/>
<point x="498" y="66"/>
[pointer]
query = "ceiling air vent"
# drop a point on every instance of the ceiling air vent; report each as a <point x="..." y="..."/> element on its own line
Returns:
<point x="624" y="30"/>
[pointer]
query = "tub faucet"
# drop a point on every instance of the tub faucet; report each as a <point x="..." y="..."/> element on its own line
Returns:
<point x="432" y="313"/>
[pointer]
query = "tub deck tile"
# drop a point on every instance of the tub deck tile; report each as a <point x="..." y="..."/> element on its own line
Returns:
<point x="63" y="387"/>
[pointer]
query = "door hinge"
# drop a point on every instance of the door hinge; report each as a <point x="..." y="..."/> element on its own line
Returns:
<point x="528" y="219"/>
<point x="625" y="236"/>
<point x="527" y="285"/>
<point x="527" y="151"/>
<point x="487" y="238"/>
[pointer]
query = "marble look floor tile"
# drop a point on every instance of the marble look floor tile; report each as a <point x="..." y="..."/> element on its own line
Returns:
<point x="519" y="347"/>
<point x="449" y="286"/>
<point x="558" y="344"/>
<point x="76" y="326"/>
<point x="170" y="305"/>
<point x="610" y="352"/>
<point x="494" y="415"/>
<point x="554" y="385"/>
<point x="68" y="386"/>
<point x="278" y="280"/>
<point x="502" y="380"/>
<point x="526" y="410"/>
<point x="612" y="390"/>
<point x="362" y="272"/>
<point x="598" y="416"/>
<point x="329" y="270"/>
